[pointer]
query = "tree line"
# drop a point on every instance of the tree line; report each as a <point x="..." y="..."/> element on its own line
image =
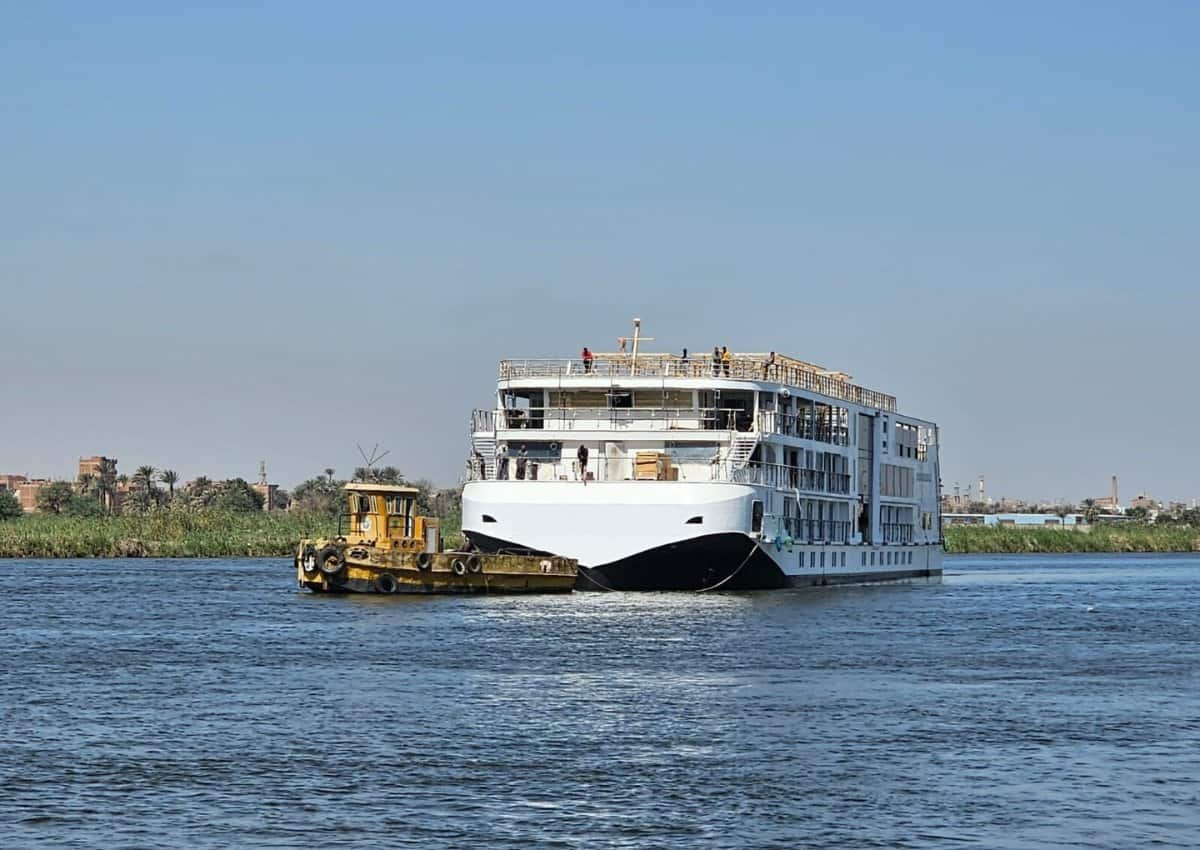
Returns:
<point x="149" y="489"/>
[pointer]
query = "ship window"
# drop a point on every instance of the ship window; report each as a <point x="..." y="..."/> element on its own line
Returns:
<point x="864" y="563"/>
<point x="822" y="560"/>
<point x="364" y="504"/>
<point x="812" y="560"/>
<point x="617" y="399"/>
<point x="872" y="559"/>
<point x="488" y="518"/>
<point x="756" y="516"/>
<point x="696" y="520"/>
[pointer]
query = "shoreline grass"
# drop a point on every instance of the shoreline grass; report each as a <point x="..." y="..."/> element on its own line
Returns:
<point x="1002" y="540"/>
<point x="224" y="534"/>
<point x="161" y="534"/>
<point x="168" y="533"/>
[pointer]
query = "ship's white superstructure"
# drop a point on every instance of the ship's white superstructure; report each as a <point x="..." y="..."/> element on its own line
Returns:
<point x="755" y="470"/>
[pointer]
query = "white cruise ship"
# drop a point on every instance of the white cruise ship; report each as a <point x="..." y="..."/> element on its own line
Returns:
<point x="703" y="472"/>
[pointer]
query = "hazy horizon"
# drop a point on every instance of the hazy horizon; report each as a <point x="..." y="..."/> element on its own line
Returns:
<point x="230" y="235"/>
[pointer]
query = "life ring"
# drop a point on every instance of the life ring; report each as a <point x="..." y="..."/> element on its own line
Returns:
<point x="424" y="561"/>
<point x="308" y="562"/>
<point x="329" y="561"/>
<point x="386" y="583"/>
<point x="364" y="524"/>
<point x="459" y="567"/>
<point x="474" y="564"/>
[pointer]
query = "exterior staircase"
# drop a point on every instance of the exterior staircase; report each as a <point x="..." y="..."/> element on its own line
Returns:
<point x="485" y="444"/>
<point x="741" y="446"/>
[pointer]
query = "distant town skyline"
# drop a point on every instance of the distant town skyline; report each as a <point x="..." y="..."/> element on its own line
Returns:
<point x="273" y="232"/>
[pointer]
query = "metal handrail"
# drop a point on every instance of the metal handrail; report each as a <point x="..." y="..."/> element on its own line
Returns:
<point x="803" y="427"/>
<point x="739" y="368"/>
<point x="616" y="418"/>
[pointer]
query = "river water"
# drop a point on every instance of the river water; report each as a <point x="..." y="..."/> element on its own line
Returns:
<point x="1023" y="702"/>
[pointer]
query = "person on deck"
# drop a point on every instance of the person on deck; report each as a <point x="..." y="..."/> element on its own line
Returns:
<point x="716" y="361"/>
<point x="582" y="457"/>
<point x="726" y="357"/>
<point x="522" y="460"/>
<point x="683" y="363"/>
<point x="769" y="366"/>
<point x="502" y="463"/>
<point x="587" y="359"/>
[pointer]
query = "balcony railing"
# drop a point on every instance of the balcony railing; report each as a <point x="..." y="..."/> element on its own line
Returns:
<point x="612" y="419"/>
<point x="815" y="530"/>
<point x="543" y="467"/>
<point x="739" y="368"/>
<point x="804" y="426"/>
<point x="897" y="532"/>
<point x="790" y="478"/>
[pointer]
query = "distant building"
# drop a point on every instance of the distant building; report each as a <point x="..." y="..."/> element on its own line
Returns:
<point x="27" y="491"/>
<point x="269" y="492"/>
<point x="1144" y="500"/>
<point x="1022" y="520"/>
<point x="92" y="465"/>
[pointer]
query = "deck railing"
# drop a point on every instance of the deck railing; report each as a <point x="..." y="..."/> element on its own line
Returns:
<point x="804" y="426"/>
<point x="739" y="368"/>
<point x="815" y="530"/>
<point x="557" y="468"/>
<point x="612" y="418"/>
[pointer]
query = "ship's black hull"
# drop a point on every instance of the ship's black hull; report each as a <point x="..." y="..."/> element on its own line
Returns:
<point x="726" y="561"/>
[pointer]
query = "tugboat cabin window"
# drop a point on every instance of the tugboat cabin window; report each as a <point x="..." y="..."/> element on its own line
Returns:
<point x="756" y="516"/>
<point x="362" y="504"/>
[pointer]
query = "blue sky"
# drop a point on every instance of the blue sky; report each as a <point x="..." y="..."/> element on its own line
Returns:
<point x="233" y="232"/>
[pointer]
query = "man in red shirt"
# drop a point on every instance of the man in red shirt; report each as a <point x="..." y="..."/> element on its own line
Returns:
<point x="587" y="359"/>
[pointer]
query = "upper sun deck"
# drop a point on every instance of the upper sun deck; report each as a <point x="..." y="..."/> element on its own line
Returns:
<point x="759" y="368"/>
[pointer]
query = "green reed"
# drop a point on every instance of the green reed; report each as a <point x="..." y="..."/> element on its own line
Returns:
<point x="977" y="539"/>
<point x="174" y="533"/>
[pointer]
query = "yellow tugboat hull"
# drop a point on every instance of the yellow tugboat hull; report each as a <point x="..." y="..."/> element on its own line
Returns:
<point x="367" y="569"/>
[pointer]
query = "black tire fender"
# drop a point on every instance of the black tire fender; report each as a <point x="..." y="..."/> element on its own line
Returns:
<point x="459" y="567"/>
<point x="329" y="560"/>
<point x="424" y="561"/>
<point x="474" y="564"/>
<point x="386" y="583"/>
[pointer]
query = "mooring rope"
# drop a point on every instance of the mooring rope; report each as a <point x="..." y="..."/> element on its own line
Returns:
<point x="746" y="560"/>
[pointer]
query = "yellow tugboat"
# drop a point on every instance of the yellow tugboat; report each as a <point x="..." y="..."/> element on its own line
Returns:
<point x="386" y="548"/>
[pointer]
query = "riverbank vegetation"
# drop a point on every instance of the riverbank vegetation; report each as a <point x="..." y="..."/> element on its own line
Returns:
<point x="99" y="518"/>
<point x="1126" y="537"/>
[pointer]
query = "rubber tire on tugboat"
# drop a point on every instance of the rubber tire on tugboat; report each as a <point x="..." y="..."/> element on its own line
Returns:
<point x="308" y="562"/>
<point x="424" y="561"/>
<point x="458" y="567"/>
<point x="329" y="561"/>
<point x="474" y="565"/>
<point x="386" y="583"/>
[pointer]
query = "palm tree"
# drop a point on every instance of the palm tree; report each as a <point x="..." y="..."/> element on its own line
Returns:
<point x="199" y="491"/>
<point x="144" y="477"/>
<point x="1090" y="511"/>
<point x="146" y="494"/>
<point x="329" y="473"/>
<point x="169" y="477"/>
<point x="103" y="483"/>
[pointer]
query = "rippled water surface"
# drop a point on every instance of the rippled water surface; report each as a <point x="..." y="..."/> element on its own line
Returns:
<point x="1022" y="703"/>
